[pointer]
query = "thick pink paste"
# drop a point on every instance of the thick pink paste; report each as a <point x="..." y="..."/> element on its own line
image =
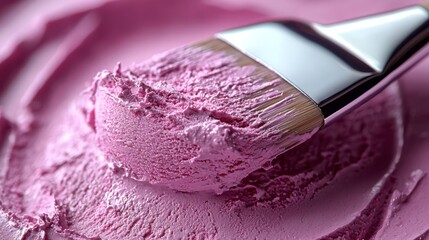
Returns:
<point x="186" y="119"/>
<point x="350" y="181"/>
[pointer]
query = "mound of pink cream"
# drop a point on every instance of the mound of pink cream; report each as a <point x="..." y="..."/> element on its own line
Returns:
<point x="186" y="120"/>
<point x="78" y="164"/>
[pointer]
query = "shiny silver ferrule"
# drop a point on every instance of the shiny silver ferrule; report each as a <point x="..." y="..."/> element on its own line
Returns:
<point x="339" y="66"/>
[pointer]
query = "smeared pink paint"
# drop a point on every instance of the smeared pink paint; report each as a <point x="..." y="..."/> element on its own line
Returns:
<point x="346" y="182"/>
<point x="185" y="119"/>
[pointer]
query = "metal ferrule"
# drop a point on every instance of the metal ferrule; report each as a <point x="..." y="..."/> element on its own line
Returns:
<point x="338" y="66"/>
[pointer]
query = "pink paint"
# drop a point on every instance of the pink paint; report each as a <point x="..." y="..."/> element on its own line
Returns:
<point x="55" y="183"/>
<point x="185" y="119"/>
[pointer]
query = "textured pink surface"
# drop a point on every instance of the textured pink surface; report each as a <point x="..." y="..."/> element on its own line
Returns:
<point x="185" y="119"/>
<point x="54" y="182"/>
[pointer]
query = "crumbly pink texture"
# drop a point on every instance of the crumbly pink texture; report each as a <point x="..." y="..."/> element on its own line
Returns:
<point x="74" y="194"/>
<point x="357" y="140"/>
<point x="185" y="119"/>
<point x="54" y="182"/>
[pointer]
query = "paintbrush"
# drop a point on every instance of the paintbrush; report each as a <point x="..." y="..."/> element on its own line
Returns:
<point x="306" y="76"/>
<point x="331" y="69"/>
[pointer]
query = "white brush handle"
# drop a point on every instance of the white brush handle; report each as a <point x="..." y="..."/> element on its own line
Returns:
<point x="388" y="43"/>
<point x="342" y="65"/>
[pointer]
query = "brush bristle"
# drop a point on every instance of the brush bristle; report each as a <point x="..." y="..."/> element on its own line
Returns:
<point x="291" y="112"/>
<point x="425" y="4"/>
